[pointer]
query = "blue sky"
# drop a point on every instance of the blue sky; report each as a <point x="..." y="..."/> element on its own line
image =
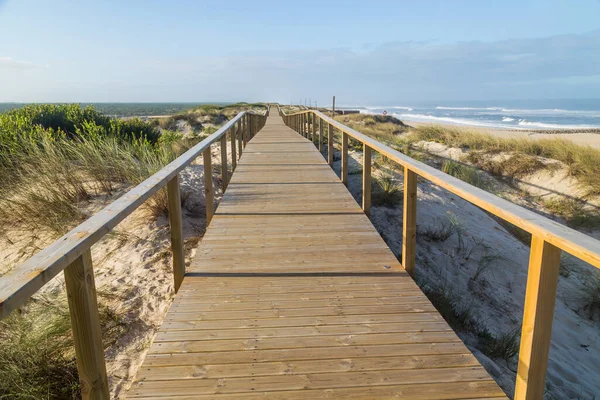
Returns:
<point x="364" y="52"/>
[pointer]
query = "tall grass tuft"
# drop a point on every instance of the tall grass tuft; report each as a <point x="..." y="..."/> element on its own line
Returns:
<point x="583" y="161"/>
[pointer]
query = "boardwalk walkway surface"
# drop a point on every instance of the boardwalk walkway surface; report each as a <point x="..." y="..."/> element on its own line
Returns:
<point x="293" y="295"/>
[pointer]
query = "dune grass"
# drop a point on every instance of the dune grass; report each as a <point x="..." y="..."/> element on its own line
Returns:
<point x="55" y="160"/>
<point x="583" y="161"/>
<point x="383" y="128"/>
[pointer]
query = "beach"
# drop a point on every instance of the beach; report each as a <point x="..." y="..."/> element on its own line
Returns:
<point x="584" y="138"/>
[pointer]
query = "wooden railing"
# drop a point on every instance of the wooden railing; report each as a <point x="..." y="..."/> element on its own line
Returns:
<point x="548" y="237"/>
<point x="72" y="252"/>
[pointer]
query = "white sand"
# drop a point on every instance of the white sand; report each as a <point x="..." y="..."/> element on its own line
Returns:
<point x="495" y="299"/>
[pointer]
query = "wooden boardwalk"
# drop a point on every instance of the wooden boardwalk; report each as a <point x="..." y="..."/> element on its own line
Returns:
<point x="294" y="295"/>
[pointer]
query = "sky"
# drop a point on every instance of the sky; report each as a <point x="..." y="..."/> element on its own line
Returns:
<point x="364" y="52"/>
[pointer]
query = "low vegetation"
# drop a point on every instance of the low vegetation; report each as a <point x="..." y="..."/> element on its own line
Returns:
<point x="58" y="165"/>
<point x="384" y="128"/>
<point x="583" y="161"/>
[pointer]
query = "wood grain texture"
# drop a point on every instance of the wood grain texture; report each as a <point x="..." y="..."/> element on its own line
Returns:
<point x="293" y="294"/>
<point x="208" y="186"/>
<point x="85" y="322"/>
<point x="409" y="222"/>
<point x="176" y="225"/>
<point x="345" y="158"/>
<point x="366" y="181"/>
<point x="330" y="145"/>
<point x="224" y="171"/>
<point x="538" y="313"/>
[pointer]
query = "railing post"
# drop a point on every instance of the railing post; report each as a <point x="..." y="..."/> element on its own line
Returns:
<point x="224" y="172"/>
<point x="330" y="145"/>
<point x="345" y="158"/>
<point x="409" y="222"/>
<point x="233" y="152"/>
<point x="366" y="195"/>
<point x="85" y="323"/>
<point x="240" y="133"/>
<point x="208" y="185"/>
<point x="538" y="313"/>
<point x="314" y="129"/>
<point x="176" y="224"/>
<point x="246" y="129"/>
<point x="303" y="125"/>
<point x="321" y="134"/>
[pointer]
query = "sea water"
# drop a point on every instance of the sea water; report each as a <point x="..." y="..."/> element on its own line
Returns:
<point x="522" y="114"/>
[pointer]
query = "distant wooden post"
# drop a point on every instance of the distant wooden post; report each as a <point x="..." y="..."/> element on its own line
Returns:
<point x="240" y="133"/>
<point x="538" y="313"/>
<point x="303" y="127"/>
<point x="321" y="134"/>
<point x="176" y="224"/>
<point x="330" y="145"/>
<point x="345" y="158"/>
<point x="333" y="108"/>
<point x="409" y="224"/>
<point x="232" y="132"/>
<point x="85" y="323"/>
<point x="366" y="196"/>
<point x="224" y="172"/>
<point x="208" y="185"/>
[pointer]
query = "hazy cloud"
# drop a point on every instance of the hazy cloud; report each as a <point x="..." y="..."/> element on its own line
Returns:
<point x="9" y="62"/>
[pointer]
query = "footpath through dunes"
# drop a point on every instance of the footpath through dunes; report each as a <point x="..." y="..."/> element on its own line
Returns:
<point x="294" y="295"/>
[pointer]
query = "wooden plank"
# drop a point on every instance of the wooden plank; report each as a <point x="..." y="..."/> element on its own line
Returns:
<point x="310" y="381"/>
<point x="431" y="391"/>
<point x="293" y="291"/>
<point x="212" y="371"/>
<point x="85" y="323"/>
<point x="538" y="313"/>
<point x="409" y="222"/>
<point x="208" y="185"/>
<point x="176" y="226"/>
<point x="366" y="181"/>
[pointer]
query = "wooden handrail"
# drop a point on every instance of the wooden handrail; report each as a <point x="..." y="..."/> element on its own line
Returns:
<point x="573" y="242"/>
<point x="72" y="252"/>
<point x="548" y="239"/>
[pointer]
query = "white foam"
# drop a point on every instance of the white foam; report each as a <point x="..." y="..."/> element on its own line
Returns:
<point x="507" y="119"/>
<point x="543" y="125"/>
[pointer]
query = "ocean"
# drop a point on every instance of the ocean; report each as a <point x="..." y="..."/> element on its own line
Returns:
<point x="522" y="114"/>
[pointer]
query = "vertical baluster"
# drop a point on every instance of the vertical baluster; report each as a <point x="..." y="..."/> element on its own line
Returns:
<point x="366" y="195"/>
<point x="176" y="224"/>
<point x="224" y="172"/>
<point x="240" y="133"/>
<point x="321" y="134"/>
<point x="345" y="158"/>
<point x="314" y="129"/>
<point x="409" y="224"/>
<point x="85" y="323"/>
<point x="233" y="151"/>
<point x="330" y="145"/>
<point x="208" y="185"/>
<point x="538" y="313"/>
<point x="245" y="130"/>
